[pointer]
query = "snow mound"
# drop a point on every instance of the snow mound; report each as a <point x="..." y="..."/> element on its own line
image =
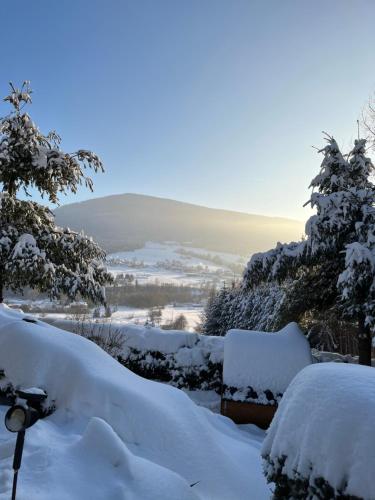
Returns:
<point x="324" y="427"/>
<point x="146" y="338"/>
<point x="264" y="361"/>
<point x="115" y="435"/>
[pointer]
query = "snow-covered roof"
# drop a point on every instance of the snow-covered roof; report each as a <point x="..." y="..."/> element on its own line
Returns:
<point x="324" y="427"/>
<point x="264" y="361"/>
<point x="114" y="434"/>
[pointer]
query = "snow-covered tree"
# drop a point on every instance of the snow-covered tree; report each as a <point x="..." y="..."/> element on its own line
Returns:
<point x="213" y="322"/>
<point x="336" y="260"/>
<point x="258" y="308"/>
<point x="34" y="251"/>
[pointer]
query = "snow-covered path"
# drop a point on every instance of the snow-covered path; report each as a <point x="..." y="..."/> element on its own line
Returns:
<point x="116" y="436"/>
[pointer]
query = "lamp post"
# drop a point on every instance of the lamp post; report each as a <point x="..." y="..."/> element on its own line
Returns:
<point x="19" y="418"/>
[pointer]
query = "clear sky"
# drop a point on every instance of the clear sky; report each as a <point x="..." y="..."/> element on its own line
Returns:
<point x="207" y="101"/>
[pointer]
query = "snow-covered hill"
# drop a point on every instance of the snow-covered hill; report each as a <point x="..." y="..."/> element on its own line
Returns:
<point x="115" y="435"/>
<point x="127" y="221"/>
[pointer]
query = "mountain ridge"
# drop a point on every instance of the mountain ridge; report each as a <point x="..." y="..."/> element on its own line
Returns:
<point x="126" y="221"/>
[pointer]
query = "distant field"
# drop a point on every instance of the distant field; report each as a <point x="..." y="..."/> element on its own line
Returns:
<point x="137" y="316"/>
<point x="177" y="264"/>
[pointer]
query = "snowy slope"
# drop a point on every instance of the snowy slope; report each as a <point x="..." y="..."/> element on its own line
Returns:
<point x="115" y="435"/>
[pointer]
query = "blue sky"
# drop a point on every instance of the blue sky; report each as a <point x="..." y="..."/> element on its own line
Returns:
<point x="207" y="101"/>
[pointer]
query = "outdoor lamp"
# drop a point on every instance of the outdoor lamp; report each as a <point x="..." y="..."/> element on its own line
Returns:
<point x="19" y="418"/>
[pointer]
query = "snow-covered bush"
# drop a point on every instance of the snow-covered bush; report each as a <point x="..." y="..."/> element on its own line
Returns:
<point x="259" y="366"/>
<point x="182" y="359"/>
<point x="321" y="441"/>
<point x="110" y="339"/>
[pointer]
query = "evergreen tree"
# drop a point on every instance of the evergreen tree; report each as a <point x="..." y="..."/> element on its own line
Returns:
<point x="34" y="251"/>
<point x="335" y="264"/>
<point x="257" y="308"/>
<point x="357" y="281"/>
<point x="213" y="321"/>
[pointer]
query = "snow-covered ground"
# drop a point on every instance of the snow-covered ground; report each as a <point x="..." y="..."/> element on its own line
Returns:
<point x="192" y="313"/>
<point x="115" y="435"/>
<point x="137" y="316"/>
<point x="175" y="263"/>
<point x="207" y="399"/>
<point x="153" y="252"/>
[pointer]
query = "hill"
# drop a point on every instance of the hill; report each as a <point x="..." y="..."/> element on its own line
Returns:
<point x="127" y="221"/>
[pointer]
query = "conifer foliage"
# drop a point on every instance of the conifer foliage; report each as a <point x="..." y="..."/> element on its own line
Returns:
<point x="236" y="307"/>
<point x="333" y="267"/>
<point x="338" y="253"/>
<point x="34" y="251"/>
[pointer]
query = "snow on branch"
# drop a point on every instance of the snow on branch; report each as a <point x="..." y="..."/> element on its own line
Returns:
<point x="30" y="159"/>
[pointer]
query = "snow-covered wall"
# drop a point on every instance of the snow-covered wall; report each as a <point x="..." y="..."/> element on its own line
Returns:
<point x="258" y="366"/>
<point x="183" y="359"/>
<point x="321" y="442"/>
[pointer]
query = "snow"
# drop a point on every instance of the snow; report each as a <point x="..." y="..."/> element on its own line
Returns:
<point x="115" y="435"/>
<point x="147" y="338"/>
<point x="60" y="464"/>
<point x="335" y="357"/>
<point x="207" y="399"/>
<point x="192" y="313"/>
<point x="185" y="360"/>
<point x="153" y="252"/>
<point x="325" y="427"/>
<point x="357" y="277"/>
<point x="26" y="243"/>
<point x="34" y="390"/>
<point x="28" y="253"/>
<point x="120" y="314"/>
<point x="175" y="263"/>
<point x="264" y="361"/>
<point x="266" y="266"/>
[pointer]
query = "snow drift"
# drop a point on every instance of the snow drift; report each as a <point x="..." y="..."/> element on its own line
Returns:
<point x="115" y="435"/>
<point x="323" y="433"/>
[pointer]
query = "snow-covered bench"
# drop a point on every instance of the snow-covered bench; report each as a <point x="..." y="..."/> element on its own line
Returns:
<point x="258" y="367"/>
<point x="321" y="442"/>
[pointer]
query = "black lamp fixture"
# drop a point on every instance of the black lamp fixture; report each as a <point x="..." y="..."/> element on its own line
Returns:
<point x="20" y="417"/>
